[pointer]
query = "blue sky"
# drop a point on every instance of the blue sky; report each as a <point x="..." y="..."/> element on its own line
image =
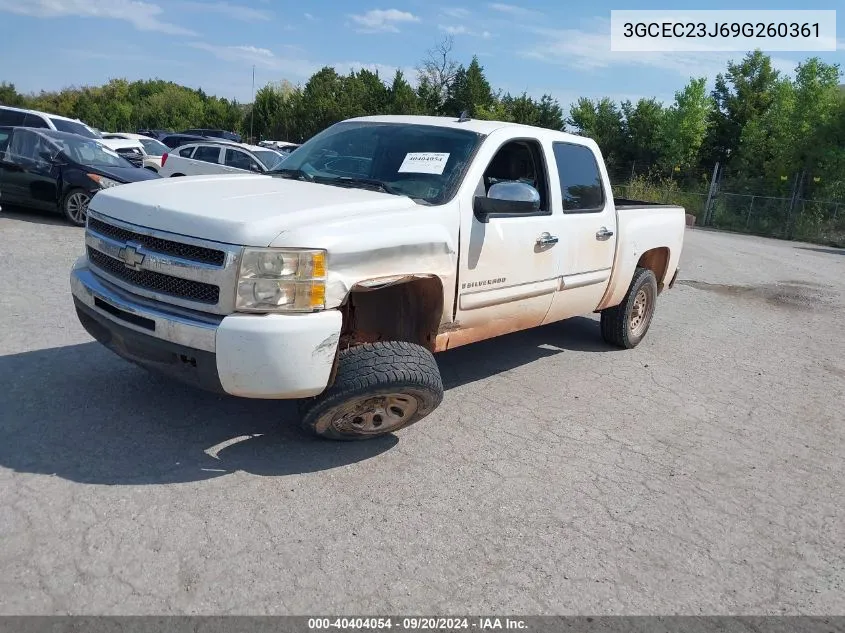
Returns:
<point x="548" y="46"/>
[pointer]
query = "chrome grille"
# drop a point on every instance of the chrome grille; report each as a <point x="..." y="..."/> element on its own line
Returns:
<point x="179" y="249"/>
<point x="167" y="267"/>
<point x="157" y="282"/>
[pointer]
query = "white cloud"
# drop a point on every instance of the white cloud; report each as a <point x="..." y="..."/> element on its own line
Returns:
<point x="382" y="20"/>
<point x="234" y="11"/>
<point x="260" y="57"/>
<point x="308" y="16"/>
<point x="512" y="9"/>
<point x="455" y="12"/>
<point x="294" y="67"/>
<point x="452" y="29"/>
<point x="590" y="50"/>
<point x="144" y="16"/>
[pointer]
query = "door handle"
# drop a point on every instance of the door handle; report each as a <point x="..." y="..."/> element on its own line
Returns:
<point x="546" y="239"/>
<point x="603" y="234"/>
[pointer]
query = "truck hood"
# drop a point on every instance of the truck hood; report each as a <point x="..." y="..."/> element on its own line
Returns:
<point x="249" y="210"/>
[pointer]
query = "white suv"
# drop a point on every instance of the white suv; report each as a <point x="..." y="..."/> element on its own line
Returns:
<point x="19" y="117"/>
<point x="209" y="157"/>
<point x="151" y="149"/>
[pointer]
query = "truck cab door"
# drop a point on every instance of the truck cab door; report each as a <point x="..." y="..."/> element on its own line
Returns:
<point x="508" y="261"/>
<point x="588" y="229"/>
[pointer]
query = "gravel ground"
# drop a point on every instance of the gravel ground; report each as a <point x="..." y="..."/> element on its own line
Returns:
<point x="699" y="473"/>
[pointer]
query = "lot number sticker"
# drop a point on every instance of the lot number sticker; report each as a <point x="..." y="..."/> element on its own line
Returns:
<point x="424" y="163"/>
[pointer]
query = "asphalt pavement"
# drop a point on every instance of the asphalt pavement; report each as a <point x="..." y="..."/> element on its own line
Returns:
<point x="701" y="473"/>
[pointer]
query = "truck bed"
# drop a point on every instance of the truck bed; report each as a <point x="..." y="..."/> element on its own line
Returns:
<point x="624" y="204"/>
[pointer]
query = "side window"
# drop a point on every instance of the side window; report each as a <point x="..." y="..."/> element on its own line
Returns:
<point x="238" y="159"/>
<point x="23" y="147"/>
<point x="4" y="142"/>
<point x="580" y="178"/>
<point x="207" y="153"/>
<point x="520" y="161"/>
<point x="11" y="117"/>
<point x="33" y="120"/>
<point x="186" y="152"/>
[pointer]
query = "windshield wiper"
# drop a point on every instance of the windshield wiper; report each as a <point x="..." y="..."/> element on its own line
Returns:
<point x="297" y="174"/>
<point x="371" y="183"/>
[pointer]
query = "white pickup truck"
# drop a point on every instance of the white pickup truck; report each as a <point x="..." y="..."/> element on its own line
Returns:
<point x="380" y="242"/>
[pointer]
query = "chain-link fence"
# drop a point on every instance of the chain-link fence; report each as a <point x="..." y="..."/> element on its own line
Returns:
<point x="734" y="203"/>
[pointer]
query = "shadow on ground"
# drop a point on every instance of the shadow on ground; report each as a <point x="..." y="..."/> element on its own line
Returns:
<point x="81" y="413"/>
<point x="822" y="249"/>
<point x="35" y="216"/>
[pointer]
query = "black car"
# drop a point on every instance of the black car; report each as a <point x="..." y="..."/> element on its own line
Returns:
<point x="156" y="134"/>
<point x="210" y="133"/>
<point x="178" y="140"/>
<point x="59" y="171"/>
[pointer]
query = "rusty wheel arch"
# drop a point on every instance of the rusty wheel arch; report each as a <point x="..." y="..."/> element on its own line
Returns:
<point x="656" y="260"/>
<point x="407" y="308"/>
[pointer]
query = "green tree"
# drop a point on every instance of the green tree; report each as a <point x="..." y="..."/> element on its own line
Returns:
<point x="644" y="128"/>
<point x="401" y="96"/>
<point x="743" y="93"/>
<point x="601" y="120"/>
<point x="686" y="124"/>
<point x="469" y="91"/>
<point x="9" y="95"/>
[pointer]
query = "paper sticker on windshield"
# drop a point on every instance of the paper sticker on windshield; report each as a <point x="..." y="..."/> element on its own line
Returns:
<point x="424" y="163"/>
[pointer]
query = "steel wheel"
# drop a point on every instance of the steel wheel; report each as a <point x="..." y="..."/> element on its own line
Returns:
<point x="640" y="313"/>
<point x="371" y="415"/>
<point x="76" y="207"/>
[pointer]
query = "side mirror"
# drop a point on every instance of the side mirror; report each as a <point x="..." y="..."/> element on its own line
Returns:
<point x="510" y="197"/>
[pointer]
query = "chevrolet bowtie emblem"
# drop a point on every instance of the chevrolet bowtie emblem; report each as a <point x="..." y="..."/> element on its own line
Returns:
<point x="130" y="257"/>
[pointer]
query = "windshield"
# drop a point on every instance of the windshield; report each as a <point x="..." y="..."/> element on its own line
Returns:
<point x="90" y="153"/>
<point x="153" y="147"/>
<point x="423" y="162"/>
<point x="73" y="127"/>
<point x="269" y="159"/>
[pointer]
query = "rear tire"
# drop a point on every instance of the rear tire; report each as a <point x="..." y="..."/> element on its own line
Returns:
<point x="379" y="388"/>
<point x="626" y="325"/>
<point x="75" y="206"/>
<point x="176" y="175"/>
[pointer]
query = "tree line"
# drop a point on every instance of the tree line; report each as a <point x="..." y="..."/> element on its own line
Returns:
<point x="770" y="132"/>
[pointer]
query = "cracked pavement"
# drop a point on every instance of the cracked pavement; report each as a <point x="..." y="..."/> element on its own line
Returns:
<point x="700" y="473"/>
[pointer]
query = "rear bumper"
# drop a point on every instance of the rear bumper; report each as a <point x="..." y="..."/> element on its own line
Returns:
<point x="253" y="356"/>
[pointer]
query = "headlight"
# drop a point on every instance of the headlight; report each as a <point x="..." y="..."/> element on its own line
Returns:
<point x="104" y="182"/>
<point x="281" y="280"/>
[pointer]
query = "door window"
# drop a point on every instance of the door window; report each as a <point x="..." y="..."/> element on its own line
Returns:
<point x="186" y="152"/>
<point x="23" y="147"/>
<point x="207" y="153"/>
<point x="520" y="161"/>
<point x="34" y="120"/>
<point x="238" y="160"/>
<point x="11" y="117"/>
<point x="580" y="179"/>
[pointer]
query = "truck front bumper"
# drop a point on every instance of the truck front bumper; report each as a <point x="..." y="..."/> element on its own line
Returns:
<point x="271" y="356"/>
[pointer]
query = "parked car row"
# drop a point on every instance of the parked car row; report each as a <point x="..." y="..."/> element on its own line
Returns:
<point x="213" y="157"/>
<point x="56" y="163"/>
<point x="46" y="169"/>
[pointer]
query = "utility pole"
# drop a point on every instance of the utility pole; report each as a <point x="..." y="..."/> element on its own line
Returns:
<point x="252" y="109"/>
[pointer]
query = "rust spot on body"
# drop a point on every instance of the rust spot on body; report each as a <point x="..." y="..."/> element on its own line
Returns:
<point x="463" y="336"/>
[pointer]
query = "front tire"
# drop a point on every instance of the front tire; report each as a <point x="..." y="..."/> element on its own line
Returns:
<point x="626" y="325"/>
<point x="75" y="206"/>
<point x="379" y="388"/>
